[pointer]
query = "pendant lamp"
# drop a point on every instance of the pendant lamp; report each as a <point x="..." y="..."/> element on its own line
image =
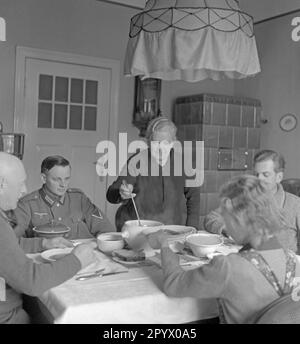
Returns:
<point x="191" y="40"/>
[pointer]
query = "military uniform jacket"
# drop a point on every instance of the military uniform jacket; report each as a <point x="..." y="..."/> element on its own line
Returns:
<point x="74" y="210"/>
<point x="21" y="274"/>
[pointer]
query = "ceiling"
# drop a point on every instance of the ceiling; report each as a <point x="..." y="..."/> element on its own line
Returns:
<point x="259" y="9"/>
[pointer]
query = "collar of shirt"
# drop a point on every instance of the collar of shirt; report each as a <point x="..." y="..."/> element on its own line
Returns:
<point x="166" y="163"/>
<point x="161" y="154"/>
<point x="279" y="196"/>
<point x="4" y="216"/>
<point x="144" y="164"/>
<point x="49" y="197"/>
<point x="271" y="244"/>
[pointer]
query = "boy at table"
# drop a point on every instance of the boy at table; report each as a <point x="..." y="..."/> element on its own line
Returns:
<point x="18" y="273"/>
<point x="244" y="282"/>
<point x="54" y="201"/>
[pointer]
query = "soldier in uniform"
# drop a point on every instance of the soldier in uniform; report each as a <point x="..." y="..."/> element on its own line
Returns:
<point x="54" y="201"/>
<point x="19" y="274"/>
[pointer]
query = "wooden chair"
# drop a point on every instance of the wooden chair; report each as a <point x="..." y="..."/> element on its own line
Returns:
<point x="283" y="310"/>
<point x="291" y="185"/>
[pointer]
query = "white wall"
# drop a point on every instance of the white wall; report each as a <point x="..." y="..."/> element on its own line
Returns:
<point x="100" y="29"/>
<point x="262" y="9"/>
<point x="84" y="27"/>
<point x="278" y="87"/>
<point x="259" y="9"/>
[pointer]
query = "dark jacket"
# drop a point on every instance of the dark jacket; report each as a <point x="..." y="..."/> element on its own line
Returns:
<point x="161" y="197"/>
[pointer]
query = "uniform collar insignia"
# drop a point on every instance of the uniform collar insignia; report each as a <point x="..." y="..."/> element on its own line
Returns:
<point x="49" y="197"/>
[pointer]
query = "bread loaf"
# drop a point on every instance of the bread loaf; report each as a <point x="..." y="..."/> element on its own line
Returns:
<point x="129" y="255"/>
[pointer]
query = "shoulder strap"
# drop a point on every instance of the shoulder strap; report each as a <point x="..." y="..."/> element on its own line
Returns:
<point x="290" y="271"/>
<point x="260" y="263"/>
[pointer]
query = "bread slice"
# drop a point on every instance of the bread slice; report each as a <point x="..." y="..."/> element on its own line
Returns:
<point x="129" y="255"/>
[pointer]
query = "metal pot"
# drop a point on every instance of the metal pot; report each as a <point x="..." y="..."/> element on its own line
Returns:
<point x="12" y="143"/>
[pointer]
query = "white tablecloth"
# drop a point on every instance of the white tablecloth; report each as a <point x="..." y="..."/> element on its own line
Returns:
<point x="133" y="297"/>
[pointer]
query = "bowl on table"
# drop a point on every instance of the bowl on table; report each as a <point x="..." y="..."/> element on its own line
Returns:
<point x="51" y="230"/>
<point x="203" y="244"/>
<point x="55" y="253"/>
<point x="109" y="242"/>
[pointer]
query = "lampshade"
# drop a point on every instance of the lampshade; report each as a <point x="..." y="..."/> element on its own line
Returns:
<point x="191" y="40"/>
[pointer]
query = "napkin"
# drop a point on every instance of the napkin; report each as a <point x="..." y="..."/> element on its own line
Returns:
<point x="95" y="266"/>
<point x="101" y="263"/>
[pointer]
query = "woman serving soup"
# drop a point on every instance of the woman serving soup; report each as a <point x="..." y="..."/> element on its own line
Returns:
<point x="159" y="196"/>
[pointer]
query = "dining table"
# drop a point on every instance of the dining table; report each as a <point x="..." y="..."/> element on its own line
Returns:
<point x="133" y="294"/>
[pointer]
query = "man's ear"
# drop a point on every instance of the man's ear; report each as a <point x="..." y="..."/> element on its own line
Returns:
<point x="2" y="185"/>
<point x="279" y="177"/>
<point x="43" y="178"/>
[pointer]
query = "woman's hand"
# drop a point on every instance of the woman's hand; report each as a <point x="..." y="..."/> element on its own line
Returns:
<point x="158" y="239"/>
<point x="126" y="190"/>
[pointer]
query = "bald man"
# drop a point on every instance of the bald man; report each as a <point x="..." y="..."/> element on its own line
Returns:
<point x="18" y="273"/>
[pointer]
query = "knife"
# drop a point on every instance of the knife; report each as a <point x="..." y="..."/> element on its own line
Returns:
<point x="98" y="274"/>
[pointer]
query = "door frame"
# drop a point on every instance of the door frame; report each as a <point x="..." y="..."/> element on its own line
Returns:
<point x="24" y="53"/>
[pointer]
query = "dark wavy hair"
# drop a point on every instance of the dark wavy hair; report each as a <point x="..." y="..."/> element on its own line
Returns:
<point x="268" y="154"/>
<point x="54" y="160"/>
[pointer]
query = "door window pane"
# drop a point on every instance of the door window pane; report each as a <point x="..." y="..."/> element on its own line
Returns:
<point x="76" y="90"/>
<point x="45" y="87"/>
<point x="90" y="118"/>
<point x="91" y="90"/>
<point x="75" y="117"/>
<point x="60" y="116"/>
<point x="44" y="115"/>
<point x="73" y="100"/>
<point x="61" y="89"/>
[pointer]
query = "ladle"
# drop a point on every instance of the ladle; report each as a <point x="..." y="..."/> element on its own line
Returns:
<point x="136" y="211"/>
<point x="135" y="208"/>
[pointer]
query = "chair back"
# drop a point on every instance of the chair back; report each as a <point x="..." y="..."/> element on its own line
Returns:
<point x="283" y="310"/>
<point x="291" y="185"/>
